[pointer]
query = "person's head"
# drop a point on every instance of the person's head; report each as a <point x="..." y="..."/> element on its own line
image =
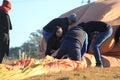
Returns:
<point x="59" y="32"/>
<point x="6" y="5"/>
<point x="72" y="18"/>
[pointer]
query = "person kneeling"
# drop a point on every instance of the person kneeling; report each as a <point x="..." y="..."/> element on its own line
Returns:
<point x="74" y="44"/>
<point x="54" y="41"/>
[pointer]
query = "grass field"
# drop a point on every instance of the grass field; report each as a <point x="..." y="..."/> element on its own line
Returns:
<point x="85" y="74"/>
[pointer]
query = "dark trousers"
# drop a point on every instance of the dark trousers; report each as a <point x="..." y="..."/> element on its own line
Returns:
<point x="4" y="46"/>
<point x="2" y="50"/>
<point x="1" y="56"/>
<point x="71" y="48"/>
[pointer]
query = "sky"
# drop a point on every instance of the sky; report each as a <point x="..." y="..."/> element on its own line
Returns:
<point x="27" y="16"/>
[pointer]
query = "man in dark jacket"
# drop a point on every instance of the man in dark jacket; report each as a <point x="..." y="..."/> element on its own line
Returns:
<point x="74" y="44"/>
<point x="54" y="41"/>
<point x="104" y="32"/>
<point x="5" y="26"/>
<point x="63" y="22"/>
<point x="52" y="26"/>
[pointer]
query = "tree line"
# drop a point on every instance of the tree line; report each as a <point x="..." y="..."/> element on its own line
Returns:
<point x="29" y="47"/>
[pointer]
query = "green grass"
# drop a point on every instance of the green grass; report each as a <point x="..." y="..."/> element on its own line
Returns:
<point x="85" y="74"/>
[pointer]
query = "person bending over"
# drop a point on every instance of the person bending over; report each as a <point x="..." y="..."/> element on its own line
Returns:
<point x="74" y="44"/>
<point x="48" y="29"/>
<point x="104" y="31"/>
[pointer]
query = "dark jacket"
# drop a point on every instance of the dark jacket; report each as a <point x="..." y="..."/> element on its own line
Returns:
<point x="92" y="26"/>
<point x="53" y="44"/>
<point x="76" y="33"/>
<point x="5" y="23"/>
<point x="5" y="26"/>
<point x="52" y="25"/>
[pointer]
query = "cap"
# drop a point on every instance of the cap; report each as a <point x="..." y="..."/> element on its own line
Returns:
<point x="72" y="17"/>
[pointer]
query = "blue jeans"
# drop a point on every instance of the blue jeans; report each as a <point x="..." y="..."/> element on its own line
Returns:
<point x="46" y="35"/>
<point x="71" y="48"/>
<point x="100" y="38"/>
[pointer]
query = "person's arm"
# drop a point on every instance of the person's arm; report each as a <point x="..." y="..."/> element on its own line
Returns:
<point x="84" y="48"/>
<point x="49" y="48"/>
<point x="10" y="22"/>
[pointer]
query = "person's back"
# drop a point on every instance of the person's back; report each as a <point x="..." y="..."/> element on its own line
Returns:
<point x="73" y="44"/>
<point x="92" y="26"/>
<point x="51" y="26"/>
<point x="76" y="33"/>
